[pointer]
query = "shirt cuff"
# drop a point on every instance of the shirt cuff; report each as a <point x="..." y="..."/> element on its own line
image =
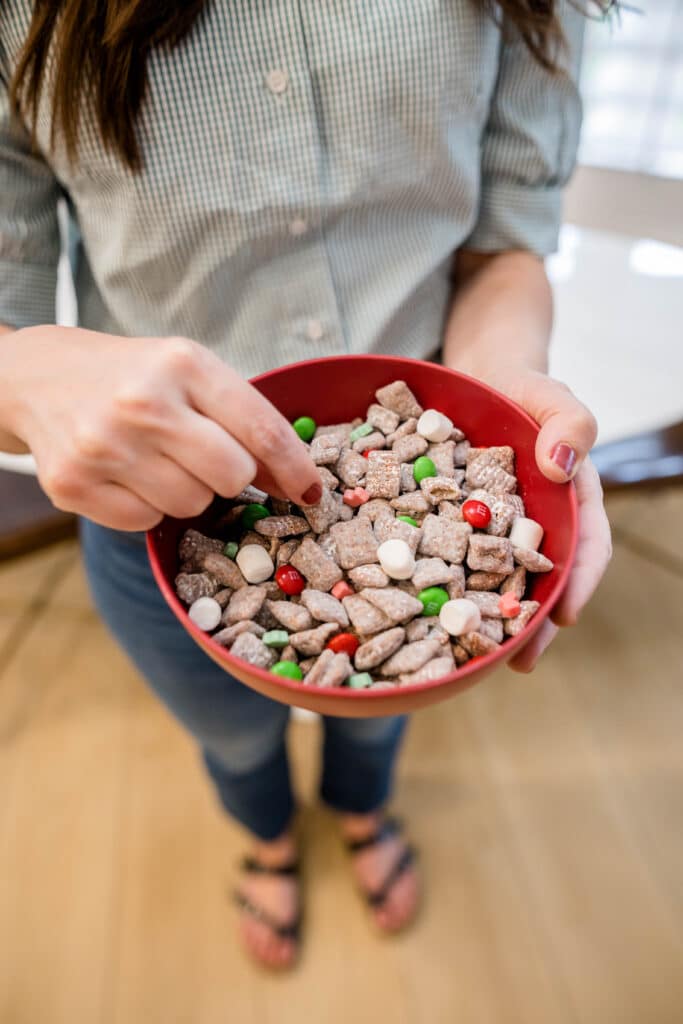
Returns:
<point x="27" y="294"/>
<point x="515" y="216"/>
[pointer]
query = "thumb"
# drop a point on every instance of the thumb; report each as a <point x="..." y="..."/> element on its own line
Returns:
<point x="568" y="428"/>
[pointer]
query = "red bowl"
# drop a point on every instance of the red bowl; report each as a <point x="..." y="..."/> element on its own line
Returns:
<point x="335" y="390"/>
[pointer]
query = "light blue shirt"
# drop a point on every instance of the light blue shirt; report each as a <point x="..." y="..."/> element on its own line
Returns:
<point x="309" y="170"/>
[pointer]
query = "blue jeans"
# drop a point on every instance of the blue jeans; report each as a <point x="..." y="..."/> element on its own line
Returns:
<point x="241" y="734"/>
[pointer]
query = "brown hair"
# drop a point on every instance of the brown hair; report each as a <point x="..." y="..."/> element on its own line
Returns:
<point x="101" y="48"/>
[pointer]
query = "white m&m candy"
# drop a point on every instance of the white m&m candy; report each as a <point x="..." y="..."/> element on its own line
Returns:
<point x="255" y="563"/>
<point x="460" y="616"/>
<point x="434" y="426"/>
<point x="396" y="559"/>
<point x="526" y="533"/>
<point x="205" y="613"/>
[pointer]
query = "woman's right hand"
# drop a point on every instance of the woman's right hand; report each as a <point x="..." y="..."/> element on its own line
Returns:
<point x="125" y="430"/>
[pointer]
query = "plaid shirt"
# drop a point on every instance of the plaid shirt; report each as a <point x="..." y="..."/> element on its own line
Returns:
<point x="310" y="167"/>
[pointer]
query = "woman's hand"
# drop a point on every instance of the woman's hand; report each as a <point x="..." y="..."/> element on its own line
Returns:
<point x="125" y="430"/>
<point x="568" y="432"/>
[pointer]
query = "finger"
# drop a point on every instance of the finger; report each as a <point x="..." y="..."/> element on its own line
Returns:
<point x="209" y="453"/>
<point x="525" y="660"/>
<point x="265" y="482"/>
<point x="165" y="485"/>
<point x="594" y="548"/>
<point x="112" y="505"/>
<point x="238" y="407"/>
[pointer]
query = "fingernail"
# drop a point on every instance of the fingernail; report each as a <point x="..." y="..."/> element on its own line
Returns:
<point x="313" y="495"/>
<point x="564" y="456"/>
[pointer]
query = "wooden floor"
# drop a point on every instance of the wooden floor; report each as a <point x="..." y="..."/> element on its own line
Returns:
<point x="549" y="810"/>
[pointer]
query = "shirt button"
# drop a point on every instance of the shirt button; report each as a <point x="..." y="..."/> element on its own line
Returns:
<point x="315" y="330"/>
<point x="277" y="80"/>
<point x="298" y="227"/>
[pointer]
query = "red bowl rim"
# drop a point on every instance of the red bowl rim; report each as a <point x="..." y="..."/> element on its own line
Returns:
<point x="471" y="667"/>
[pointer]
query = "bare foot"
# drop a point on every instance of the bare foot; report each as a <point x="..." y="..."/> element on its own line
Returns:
<point x="278" y="898"/>
<point x="373" y="866"/>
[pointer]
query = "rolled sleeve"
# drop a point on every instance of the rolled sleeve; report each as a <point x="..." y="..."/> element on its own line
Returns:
<point x="529" y="146"/>
<point x="29" y="231"/>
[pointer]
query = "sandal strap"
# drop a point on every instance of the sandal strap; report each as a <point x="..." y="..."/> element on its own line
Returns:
<point x="378" y="897"/>
<point x="283" y="931"/>
<point x="389" y="827"/>
<point x="254" y="867"/>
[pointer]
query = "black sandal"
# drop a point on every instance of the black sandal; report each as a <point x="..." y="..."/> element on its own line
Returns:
<point x="252" y="866"/>
<point x="390" y="827"/>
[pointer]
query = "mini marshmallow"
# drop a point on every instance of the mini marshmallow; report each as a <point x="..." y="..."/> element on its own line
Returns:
<point x="460" y="616"/>
<point x="434" y="426"/>
<point x="205" y="613"/>
<point x="526" y="533"/>
<point x="396" y="559"/>
<point x="255" y="563"/>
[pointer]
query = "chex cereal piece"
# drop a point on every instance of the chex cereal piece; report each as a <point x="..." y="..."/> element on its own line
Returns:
<point x="265" y="618"/>
<point x="244" y="604"/>
<point x="229" y="518"/>
<point x="223" y="569"/>
<point x="485" y="580"/>
<point x="408" y="482"/>
<point x="252" y="537"/>
<point x="396" y="604"/>
<point x="351" y="467"/>
<point x="289" y="654"/>
<point x="515" y="502"/>
<point x="190" y="586"/>
<point x="492" y="628"/>
<point x="460" y="453"/>
<point x="434" y="669"/>
<point x="460" y="655"/>
<point x="326" y="542"/>
<point x="365" y="617"/>
<point x="306" y="664"/>
<point x="419" y="628"/>
<point x="484" y="470"/>
<point x="437" y="632"/>
<point x="312" y="641"/>
<point x="251" y="495"/>
<point x="273" y="592"/>
<point x="442" y="455"/>
<point x="515" y="583"/>
<point x="411" y="657"/>
<point x="321" y="516"/>
<point x="502" y="455"/>
<point x="285" y="552"/>
<point x="456" y="588"/>
<point x="516" y="625"/>
<point x="293" y="616"/>
<point x="355" y="542"/>
<point x="329" y="480"/>
<point x="221" y="597"/>
<point x="281" y="506"/>
<point x="444" y="538"/>
<point x="397" y="529"/>
<point x="408" y="448"/>
<point x="383" y="419"/>
<point x="485" y="602"/>
<point x="383" y="477"/>
<point x="339" y="431"/>
<point x="194" y="546"/>
<point x="368" y="576"/>
<point x="371" y="442"/>
<point x="448" y="510"/>
<point x="249" y="648"/>
<point x="324" y="607"/>
<point x="477" y="644"/>
<point x="345" y="512"/>
<point x="409" y="426"/>
<point x="312" y="562"/>
<point x="330" y="669"/>
<point x="533" y="561"/>
<point x="226" y="637"/>
<point x="439" y="488"/>
<point x="379" y="648"/>
<point x="325" y="450"/>
<point x="281" y="526"/>
<point x="429" y="572"/>
<point x="398" y="397"/>
<point x="490" y="554"/>
<point x="411" y="504"/>
<point x="376" y="508"/>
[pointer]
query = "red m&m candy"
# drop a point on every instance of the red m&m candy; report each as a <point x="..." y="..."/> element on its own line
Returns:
<point x="344" y="643"/>
<point x="477" y="514"/>
<point x="289" y="579"/>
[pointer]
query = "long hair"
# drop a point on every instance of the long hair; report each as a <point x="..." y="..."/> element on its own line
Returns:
<point x="98" y="52"/>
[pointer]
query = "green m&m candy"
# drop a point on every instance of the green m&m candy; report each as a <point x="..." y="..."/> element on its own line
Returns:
<point x="433" y="599"/>
<point x="288" y="669"/>
<point x="305" y="427"/>
<point x="251" y="513"/>
<point x="231" y="549"/>
<point x="409" y="520"/>
<point x="423" y="467"/>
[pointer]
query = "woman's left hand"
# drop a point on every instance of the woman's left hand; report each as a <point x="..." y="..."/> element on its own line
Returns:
<point x="568" y="432"/>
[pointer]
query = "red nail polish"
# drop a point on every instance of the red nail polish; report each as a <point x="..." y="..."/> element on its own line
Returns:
<point x="564" y="456"/>
<point x="313" y="495"/>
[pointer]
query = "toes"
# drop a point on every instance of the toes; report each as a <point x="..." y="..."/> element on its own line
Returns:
<point x="400" y="906"/>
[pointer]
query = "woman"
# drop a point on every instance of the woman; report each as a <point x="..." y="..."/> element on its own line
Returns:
<point x="273" y="180"/>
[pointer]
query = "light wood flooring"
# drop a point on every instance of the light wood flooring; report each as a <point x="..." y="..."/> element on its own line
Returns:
<point x="548" y="808"/>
